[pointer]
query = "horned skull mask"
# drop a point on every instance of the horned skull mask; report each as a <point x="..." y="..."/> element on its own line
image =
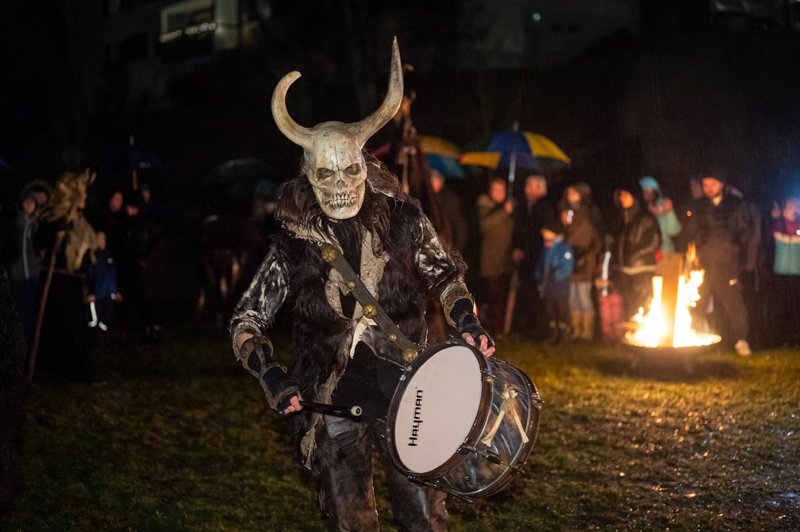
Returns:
<point x="333" y="160"/>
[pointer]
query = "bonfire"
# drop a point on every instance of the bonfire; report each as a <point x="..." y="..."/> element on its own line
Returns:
<point x="667" y="322"/>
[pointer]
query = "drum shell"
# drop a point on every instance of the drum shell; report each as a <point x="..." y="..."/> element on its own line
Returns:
<point x="475" y="468"/>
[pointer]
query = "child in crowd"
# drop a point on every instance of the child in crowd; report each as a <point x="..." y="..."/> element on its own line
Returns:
<point x="103" y="289"/>
<point x="553" y="273"/>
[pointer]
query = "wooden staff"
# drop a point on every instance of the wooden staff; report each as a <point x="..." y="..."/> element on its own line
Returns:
<point x="135" y="169"/>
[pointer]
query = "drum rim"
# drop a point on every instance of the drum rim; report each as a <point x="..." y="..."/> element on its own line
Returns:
<point x="477" y="425"/>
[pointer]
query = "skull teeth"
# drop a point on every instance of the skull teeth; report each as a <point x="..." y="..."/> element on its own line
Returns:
<point x="342" y="199"/>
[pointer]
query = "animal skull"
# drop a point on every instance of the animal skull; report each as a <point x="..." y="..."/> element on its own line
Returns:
<point x="337" y="172"/>
<point x="333" y="161"/>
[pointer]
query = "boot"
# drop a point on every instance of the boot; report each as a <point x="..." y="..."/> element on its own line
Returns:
<point x="577" y="321"/>
<point x="587" y="329"/>
<point x="554" y="335"/>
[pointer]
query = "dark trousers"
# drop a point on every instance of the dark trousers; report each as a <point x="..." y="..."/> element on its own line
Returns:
<point x="787" y="288"/>
<point x="64" y="347"/>
<point x="530" y="314"/>
<point x="636" y="291"/>
<point x="727" y="297"/>
<point x="346" y="490"/>
<point x="496" y="298"/>
<point x="26" y="296"/>
<point x="557" y="310"/>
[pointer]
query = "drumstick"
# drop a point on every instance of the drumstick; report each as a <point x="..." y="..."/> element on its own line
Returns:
<point x="487" y="440"/>
<point x="353" y="412"/>
<point x="520" y="428"/>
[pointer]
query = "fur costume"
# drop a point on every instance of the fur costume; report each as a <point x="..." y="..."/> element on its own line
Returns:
<point x="407" y="262"/>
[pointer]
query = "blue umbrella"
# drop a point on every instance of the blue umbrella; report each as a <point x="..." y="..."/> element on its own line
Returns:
<point x="514" y="151"/>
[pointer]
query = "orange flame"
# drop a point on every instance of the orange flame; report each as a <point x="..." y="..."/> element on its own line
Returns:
<point x="653" y="326"/>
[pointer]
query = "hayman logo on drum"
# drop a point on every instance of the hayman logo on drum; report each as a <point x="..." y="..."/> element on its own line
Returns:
<point x="412" y="440"/>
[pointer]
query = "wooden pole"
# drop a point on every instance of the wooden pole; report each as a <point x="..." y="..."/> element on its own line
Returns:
<point x="671" y="267"/>
<point x="134" y="170"/>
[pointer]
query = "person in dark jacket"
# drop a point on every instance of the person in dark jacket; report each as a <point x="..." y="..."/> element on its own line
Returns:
<point x="553" y="271"/>
<point x="720" y="226"/>
<point x="112" y="220"/>
<point x="496" y="219"/>
<point x="638" y="238"/>
<point x="23" y="261"/>
<point x="533" y="214"/>
<point x="451" y="208"/>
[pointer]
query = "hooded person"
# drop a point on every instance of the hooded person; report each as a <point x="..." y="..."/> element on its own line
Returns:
<point x="637" y="239"/>
<point x="347" y="205"/>
<point x="23" y="261"/>
<point x="663" y="210"/>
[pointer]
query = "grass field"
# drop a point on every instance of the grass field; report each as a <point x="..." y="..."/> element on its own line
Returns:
<point x="178" y="438"/>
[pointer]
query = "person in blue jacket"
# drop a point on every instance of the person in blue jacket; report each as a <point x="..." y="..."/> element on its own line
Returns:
<point x="553" y="271"/>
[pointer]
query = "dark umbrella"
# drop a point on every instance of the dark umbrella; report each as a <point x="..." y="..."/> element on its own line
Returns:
<point x="236" y="170"/>
<point x="129" y="160"/>
<point x="240" y="179"/>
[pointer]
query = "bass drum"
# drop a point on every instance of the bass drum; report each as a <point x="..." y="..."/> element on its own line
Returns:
<point x="462" y="423"/>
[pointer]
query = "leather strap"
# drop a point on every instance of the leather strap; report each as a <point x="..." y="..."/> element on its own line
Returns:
<point x="371" y="309"/>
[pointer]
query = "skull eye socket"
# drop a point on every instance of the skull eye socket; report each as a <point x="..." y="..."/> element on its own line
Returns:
<point x="324" y="173"/>
<point x="353" y="169"/>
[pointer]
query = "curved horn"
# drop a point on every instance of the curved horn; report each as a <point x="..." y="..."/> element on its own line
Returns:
<point x="367" y="127"/>
<point x="292" y="130"/>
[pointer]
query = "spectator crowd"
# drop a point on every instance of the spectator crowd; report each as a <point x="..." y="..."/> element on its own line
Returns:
<point x="572" y="273"/>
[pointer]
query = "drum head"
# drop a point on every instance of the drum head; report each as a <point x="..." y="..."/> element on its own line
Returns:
<point x="437" y="408"/>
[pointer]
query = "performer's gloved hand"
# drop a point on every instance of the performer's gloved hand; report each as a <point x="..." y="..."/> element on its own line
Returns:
<point x="282" y="393"/>
<point x="470" y="328"/>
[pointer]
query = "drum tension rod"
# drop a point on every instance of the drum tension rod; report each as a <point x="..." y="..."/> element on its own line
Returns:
<point x="437" y="486"/>
<point x="493" y="458"/>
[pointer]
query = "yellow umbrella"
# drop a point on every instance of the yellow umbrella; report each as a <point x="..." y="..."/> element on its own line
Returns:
<point x="544" y="148"/>
<point x="527" y="146"/>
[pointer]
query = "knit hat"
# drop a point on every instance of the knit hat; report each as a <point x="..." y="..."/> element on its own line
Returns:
<point x="649" y="182"/>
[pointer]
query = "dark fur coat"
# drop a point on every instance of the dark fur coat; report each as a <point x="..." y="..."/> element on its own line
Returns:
<point x="294" y="274"/>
